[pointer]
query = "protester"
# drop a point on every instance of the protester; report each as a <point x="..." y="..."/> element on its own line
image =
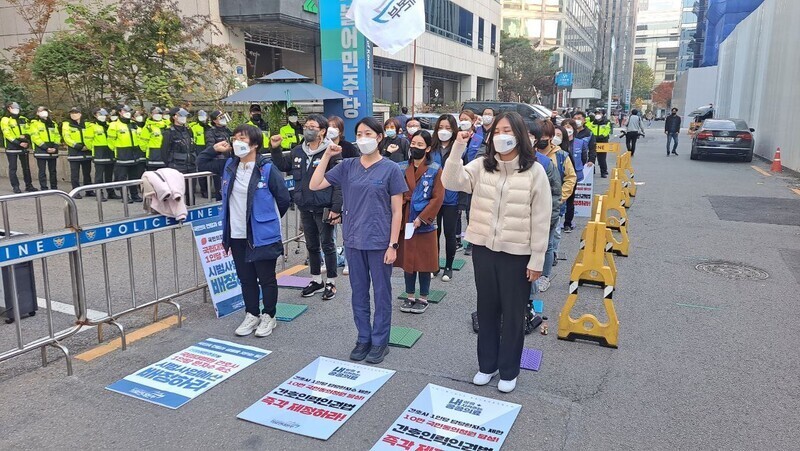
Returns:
<point x="510" y="218"/>
<point x="251" y="188"/>
<point x="672" y="127"/>
<point x="413" y="126"/>
<point x="635" y="129"/>
<point x="419" y="255"/>
<point x="77" y="133"/>
<point x="319" y="210"/>
<point x="601" y="128"/>
<point x="447" y="220"/>
<point x="393" y="146"/>
<point x="487" y="122"/>
<point x="45" y="138"/>
<point x="475" y="148"/>
<point x="336" y="134"/>
<point x="372" y="189"/>
<point x="580" y="157"/>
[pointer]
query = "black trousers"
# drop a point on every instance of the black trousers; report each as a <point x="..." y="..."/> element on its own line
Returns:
<point x="104" y="173"/>
<point x="24" y="161"/>
<point x="47" y="166"/>
<point x="127" y="172"/>
<point x="255" y="276"/>
<point x="601" y="161"/>
<point x="318" y="233"/>
<point x="630" y="141"/>
<point x="447" y="220"/>
<point x="570" y="213"/>
<point x="503" y="293"/>
<point x="76" y="167"/>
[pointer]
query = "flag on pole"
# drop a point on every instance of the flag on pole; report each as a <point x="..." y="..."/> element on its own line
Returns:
<point x="390" y="24"/>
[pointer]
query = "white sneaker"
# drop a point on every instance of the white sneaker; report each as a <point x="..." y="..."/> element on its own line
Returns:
<point x="267" y="324"/>
<point x="247" y="327"/>
<point x="346" y="271"/>
<point x="542" y="284"/>
<point x="507" y="386"/>
<point x="483" y="378"/>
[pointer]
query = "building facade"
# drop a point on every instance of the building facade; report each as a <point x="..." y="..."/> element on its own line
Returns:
<point x="658" y="37"/>
<point x="617" y="19"/>
<point x="456" y="58"/>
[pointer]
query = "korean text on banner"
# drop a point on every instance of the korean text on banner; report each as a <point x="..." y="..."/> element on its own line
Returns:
<point x="346" y="64"/>
<point x="318" y="399"/>
<point x="187" y="374"/>
<point x="218" y="267"/>
<point x="442" y="418"/>
<point x="390" y="24"/>
<point x="583" y="194"/>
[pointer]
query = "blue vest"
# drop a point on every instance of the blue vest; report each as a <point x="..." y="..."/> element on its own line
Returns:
<point x="265" y="221"/>
<point x="450" y="197"/>
<point x="422" y="197"/>
<point x="544" y="160"/>
<point x="578" y="144"/>
<point x="474" y="144"/>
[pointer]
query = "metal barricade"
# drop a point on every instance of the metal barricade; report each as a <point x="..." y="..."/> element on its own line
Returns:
<point x="42" y="245"/>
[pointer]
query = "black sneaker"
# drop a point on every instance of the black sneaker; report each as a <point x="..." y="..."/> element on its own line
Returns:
<point x="475" y="322"/>
<point x="360" y="352"/>
<point x="313" y="288"/>
<point x="419" y="306"/>
<point x="568" y="229"/>
<point x="17" y="190"/>
<point x="90" y="193"/>
<point x="330" y="292"/>
<point x="138" y="199"/>
<point x="604" y="176"/>
<point x="30" y="189"/>
<point x="78" y="196"/>
<point x="377" y="353"/>
<point x="407" y="305"/>
<point x="674" y="153"/>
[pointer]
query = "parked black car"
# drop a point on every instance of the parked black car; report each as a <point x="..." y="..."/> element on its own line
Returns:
<point x="729" y="137"/>
<point x="528" y="112"/>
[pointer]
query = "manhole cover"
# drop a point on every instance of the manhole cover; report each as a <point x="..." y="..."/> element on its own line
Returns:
<point x="735" y="271"/>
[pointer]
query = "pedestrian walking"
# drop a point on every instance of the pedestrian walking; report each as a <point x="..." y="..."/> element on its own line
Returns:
<point x="17" y="141"/>
<point x="447" y="221"/>
<point x="635" y="130"/>
<point x="672" y="127"/>
<point x="393" y="146"/>
<point x="580" y="158"/>
<point x="419" y="254"/>
<point x="77" y="133"/>
<point x="102" y="155"/>
<point x="122" y="140"/>
<point x="372" y="189"/>
<point x="320" y="210"/>
<point x="45" y="138"/>
<point x="601" y="128"/>
<point x="511" y="205"/>
<point x="254" y="198"/>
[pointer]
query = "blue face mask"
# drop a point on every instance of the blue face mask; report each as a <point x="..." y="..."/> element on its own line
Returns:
<point x="391" y="133"/>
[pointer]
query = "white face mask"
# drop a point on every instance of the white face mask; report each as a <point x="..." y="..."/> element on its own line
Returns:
<point x="444" y="135"/>
<point x="412" y="130"/>
<point x="101" y="118"/>
<point x="126" y="115"/>
<point x="158" y="117"/>
<point x="579" y="123"/>
<point x="223" y="122"/>
<point x="556" y="141"/>
<point x="292" y="118"/>
<point x="570" y="132"/>
<point x="240" y="148"/>
<point x="113" y="118"/>
<point x="202" y="118"/>
<point x="181" y="120"/>
<point x="487" y="119"/>
<point x="43" y="114"/>
<point x="598" y="116"/>
<point x="139" y="118"/>
<point x="465" y="125"/>
<point x="504" y="144"/>
<point x="15" y="111"/>
<point x="333" y="132"/>
<point x="367" y="145"/>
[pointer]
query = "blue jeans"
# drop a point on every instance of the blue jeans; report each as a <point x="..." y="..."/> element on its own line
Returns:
<point x="549" y="256"/>
<point x="672" y="137"/>
<point x="424" y="283"/>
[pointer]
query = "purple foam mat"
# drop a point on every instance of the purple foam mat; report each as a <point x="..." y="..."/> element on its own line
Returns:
<point x="531" y="359"/>
<point x="293" y="281"/>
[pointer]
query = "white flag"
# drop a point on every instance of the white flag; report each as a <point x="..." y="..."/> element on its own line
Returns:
<point x="390" y="24"/>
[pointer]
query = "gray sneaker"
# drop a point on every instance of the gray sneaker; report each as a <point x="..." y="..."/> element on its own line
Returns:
<point x="407" y="305"/>
<point x="419" y="306"/>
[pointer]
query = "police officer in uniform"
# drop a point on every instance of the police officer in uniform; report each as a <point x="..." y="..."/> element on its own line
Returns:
<point x="198" y="129"/>
<point x="102" y="155"/>
<point x="600" y="127"/>
<point x="46" y="138"/>
<point x="178" y="145"/>
<point x="292" y="132"/>
<point x="151" y="139"/>
<point x="123" y="140"/>
<point x="17" y="143"/>
<point x="76" y="134"/>
<point x="257" y="120"/>
<point x="218" y="132"/>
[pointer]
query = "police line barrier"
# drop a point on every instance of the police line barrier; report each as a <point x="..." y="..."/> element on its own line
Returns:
<point x="15" y="250"/>
<point x="75" y="237"/>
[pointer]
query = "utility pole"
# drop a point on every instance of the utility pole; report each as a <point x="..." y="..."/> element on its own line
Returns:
<point x="611" y="74"/>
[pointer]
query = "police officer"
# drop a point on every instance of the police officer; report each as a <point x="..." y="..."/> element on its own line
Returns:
<point x="102" y="155"/>
<point x="218" y="131"/>
<point x="600" y="127"/>
<point x="292" y="132"/>
<point x="17" y="143"/>
<point x="123" y="140"/>
<point x="151" y="139"/>
<point x="76" y="134"/>
<point x="198" y="129"/>
<point x="257" y="119"/>
<point x="45" y="138"/>
<point x="178" y="145"/>
<point x="139" y="121"/>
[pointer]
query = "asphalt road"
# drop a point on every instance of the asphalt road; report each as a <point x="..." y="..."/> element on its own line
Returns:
<point x="704" y="361"/>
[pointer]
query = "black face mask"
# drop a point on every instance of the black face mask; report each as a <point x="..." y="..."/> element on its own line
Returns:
<point x="417" y="153"/>
<point x="542" y="144"/>
<point x="256" y="117"/>
<point x="674" y="113"/>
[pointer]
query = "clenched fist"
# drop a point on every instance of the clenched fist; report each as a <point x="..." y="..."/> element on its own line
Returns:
<point x="275" y="140"/>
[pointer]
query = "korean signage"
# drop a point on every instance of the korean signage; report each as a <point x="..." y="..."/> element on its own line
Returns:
<point x="442" y="419"/>
<point x="218" y="267"/>
<point x="187" y="374"/>
<point x="346" y="64"/>
<point x="583" y="193"/>
<point x="564" y="79"/>
<point x="318" y="399"/>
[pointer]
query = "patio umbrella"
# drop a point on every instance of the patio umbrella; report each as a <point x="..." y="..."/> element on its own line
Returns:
<point x="283" y="85"/>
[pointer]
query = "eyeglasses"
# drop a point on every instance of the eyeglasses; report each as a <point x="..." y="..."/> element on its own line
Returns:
<point x="311" y="128"/>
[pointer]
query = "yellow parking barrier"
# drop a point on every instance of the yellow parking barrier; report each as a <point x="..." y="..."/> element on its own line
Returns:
<point x="593" y="258"/>
<point x="618" y="247"/>
<point x="617" y="199"/>
<point x="595" y="262"/>
<point x="626" y="173"/>
<point x="607" y="147"/>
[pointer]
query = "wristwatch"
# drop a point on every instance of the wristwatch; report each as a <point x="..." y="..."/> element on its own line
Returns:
<point x="394" y="245"/>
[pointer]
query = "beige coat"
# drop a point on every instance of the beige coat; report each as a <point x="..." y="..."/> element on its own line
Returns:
<point x="510" y="210"/>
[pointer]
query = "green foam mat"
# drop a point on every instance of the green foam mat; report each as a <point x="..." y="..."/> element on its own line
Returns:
<point x="404" y="337"/>
<point x="457" y="264"/>
<point x="288" y="312"/>
<point x="434" y="296"/>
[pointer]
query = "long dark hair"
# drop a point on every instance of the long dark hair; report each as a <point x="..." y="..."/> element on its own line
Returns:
<point x="435" y="132"/>
<point x="426" y="136"/>
<point x="527" y="155"/>
<point x="566" y="144"/>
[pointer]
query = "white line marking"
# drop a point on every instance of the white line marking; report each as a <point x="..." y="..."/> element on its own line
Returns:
<point x="69" y="309"/>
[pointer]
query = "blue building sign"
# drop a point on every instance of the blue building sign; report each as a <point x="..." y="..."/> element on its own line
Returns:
<point x="564" y="79"/>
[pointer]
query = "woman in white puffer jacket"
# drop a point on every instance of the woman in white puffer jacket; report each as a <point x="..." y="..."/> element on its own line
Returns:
<point x="509" y="228"/>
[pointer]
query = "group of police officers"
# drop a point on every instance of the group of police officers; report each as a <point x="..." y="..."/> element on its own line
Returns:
<point x="121" y="142"/>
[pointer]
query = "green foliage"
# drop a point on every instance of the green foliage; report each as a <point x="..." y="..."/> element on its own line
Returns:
<point x="524" y="71"/>
<point x="12" y="92"/>
<point x="643" y="80"/>
<point x="275" y="116"/>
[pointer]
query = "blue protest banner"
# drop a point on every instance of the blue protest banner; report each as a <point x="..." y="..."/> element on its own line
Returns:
<point x="218" y="267"/>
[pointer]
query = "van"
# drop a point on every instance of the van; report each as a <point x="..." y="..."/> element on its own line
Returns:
<point x="528" y="112"/>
